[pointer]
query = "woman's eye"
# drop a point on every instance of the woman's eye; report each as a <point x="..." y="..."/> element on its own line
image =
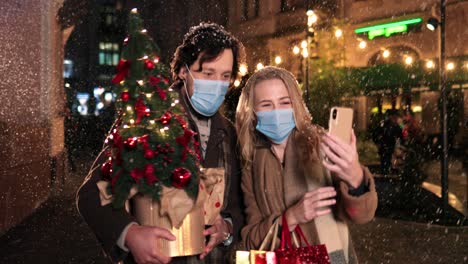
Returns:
<point x="286" y="103"/>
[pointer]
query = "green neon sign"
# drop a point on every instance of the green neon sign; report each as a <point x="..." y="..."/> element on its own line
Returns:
<point x="387" y="29"/>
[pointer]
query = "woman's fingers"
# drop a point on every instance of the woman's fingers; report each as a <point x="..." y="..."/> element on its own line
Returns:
<point x="333" y="157"/>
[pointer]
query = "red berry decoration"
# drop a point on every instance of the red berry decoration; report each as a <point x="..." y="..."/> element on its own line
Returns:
<point x="149" y="64"/>
<point x="125" y="96"/>
<point x="181" y="177"/>
<point x="130" y="143"/>
<point x="149" y="154"/>
<point x="165" y="119"/>
<point x="106" y="170"/>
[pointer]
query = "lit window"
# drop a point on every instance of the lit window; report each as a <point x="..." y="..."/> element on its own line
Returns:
<point x="108" y="53"/>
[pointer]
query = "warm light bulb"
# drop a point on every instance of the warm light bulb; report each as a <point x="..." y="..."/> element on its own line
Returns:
<point x="430" y="64"/>
<point x="148" y="95"/>
<point x="278" y="60"/>
<point x="338" y="33"/>
<point x="140" y="82"/>
<point x="296" y="50"/>
<point x="408" y="60"/>
<point x="450" y="66"/>
<point x="260" y="66"/>
<point x="305" y="53"/>
<point x="152" y="122"/>
<point x="386" y="53"/>
<point x="132" y="121"/>
<point x="362" y="44"/>
<point x="129" y="108"/>
<point x="176" y="101"/>
<point x="243" y="69"/>
<point x="134" y="10"/>
<point x="304" y="44"/>
<point x="236" y="83"/>
<point x="144" y="31"/>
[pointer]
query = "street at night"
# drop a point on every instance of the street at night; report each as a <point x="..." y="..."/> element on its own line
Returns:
<point x="196" y="131"/>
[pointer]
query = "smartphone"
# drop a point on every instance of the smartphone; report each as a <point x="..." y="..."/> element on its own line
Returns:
<point x="341" y="123"/>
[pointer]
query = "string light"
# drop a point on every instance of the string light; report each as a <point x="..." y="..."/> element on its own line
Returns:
<point x="140" y="82"/>
<point x="148" y="95"/>
<point x="132" y="121"/>
<point x="296" y="50"/>
<point x="236" y="83"/>
<point x="129" y="108"/>
<point x="362" y="44"/>
<point x="243" y="69"/>
<point x="144" y="31"/>
<point x="430" y="64"/>
<point x="134" y="10"/>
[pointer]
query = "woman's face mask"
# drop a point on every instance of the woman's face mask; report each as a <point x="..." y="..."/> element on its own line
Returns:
<point x="208" y="95"/>
<point x="276" y="124"/>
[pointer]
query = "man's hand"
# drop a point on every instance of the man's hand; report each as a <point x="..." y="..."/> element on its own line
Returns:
<point x="217" y="233"/>
<point x="141" y="241"/>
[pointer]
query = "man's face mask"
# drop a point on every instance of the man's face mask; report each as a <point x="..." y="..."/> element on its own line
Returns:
<point x="208" y="95"/>
<point x="276" y="124"/>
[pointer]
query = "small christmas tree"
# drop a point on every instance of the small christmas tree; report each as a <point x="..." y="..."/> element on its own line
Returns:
<point x="151" y="144"/>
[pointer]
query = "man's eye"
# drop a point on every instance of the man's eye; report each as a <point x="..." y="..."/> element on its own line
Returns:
<point x="208" y="73"/>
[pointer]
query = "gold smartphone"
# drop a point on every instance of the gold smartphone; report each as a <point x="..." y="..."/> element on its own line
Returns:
<point x="341" y="123"/>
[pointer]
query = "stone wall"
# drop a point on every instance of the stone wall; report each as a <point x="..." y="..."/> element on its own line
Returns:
<point x="31" y="125"/>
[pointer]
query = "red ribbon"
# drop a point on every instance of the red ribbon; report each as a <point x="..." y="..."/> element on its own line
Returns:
<point x="184" y="141"/>
<point x="140" y="109"/>
<point x="123" y="69"/>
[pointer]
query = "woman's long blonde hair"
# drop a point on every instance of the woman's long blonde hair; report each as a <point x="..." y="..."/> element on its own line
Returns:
<point x="308" y="135"/>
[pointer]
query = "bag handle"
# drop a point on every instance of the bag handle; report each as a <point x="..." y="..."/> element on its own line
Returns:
<point x="286" y="236"/>
<point x="273" y="231"/>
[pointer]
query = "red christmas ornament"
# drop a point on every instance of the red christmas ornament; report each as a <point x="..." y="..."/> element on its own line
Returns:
<point x="149" y="64"/>
<point x="106" y="170"/>
<point x="137" y="174"/>
<point x="162" y="94"/>
<point x="149" y="174"/>
<point x="166" y="80"/>
<point x="125" y="96"/>
<point x="130" y="143"/>
<point x="166" y="118"/>
<point x="181" y="177"/>
<point x="153" y="81"/>
<point x="149" y="154"/>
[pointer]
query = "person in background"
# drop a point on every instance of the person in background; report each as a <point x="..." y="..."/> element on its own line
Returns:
<point x="287" y="163"/>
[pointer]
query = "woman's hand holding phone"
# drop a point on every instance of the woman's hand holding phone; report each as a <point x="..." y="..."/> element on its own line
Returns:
<point x="342" y="159"/>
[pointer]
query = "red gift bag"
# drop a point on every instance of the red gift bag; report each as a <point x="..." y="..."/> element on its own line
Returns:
<point x="287" y="254"/>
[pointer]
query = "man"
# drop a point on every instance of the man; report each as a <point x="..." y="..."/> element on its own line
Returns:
<point x="391" y="131"/>
<point x="202" y="67"/>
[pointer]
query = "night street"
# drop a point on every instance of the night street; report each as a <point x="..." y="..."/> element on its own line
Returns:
<point x="211" y="122"/>
<point x="55" y="233"/>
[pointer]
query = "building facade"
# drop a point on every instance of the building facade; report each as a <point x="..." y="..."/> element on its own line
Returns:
<point x="370" y="33"/>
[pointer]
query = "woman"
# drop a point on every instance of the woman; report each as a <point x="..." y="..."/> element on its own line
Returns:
<point x="285" y="171"/>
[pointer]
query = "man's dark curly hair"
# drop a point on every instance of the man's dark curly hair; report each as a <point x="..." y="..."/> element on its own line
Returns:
<point x="209" y="40"/>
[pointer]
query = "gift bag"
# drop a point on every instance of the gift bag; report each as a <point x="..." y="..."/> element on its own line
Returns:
<point x="287" y="254"/>
<point x="260" y="256"/>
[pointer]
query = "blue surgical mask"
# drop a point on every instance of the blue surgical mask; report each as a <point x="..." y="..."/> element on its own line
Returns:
<point x="208" y="95"/>
<point x="276" y="124"/>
